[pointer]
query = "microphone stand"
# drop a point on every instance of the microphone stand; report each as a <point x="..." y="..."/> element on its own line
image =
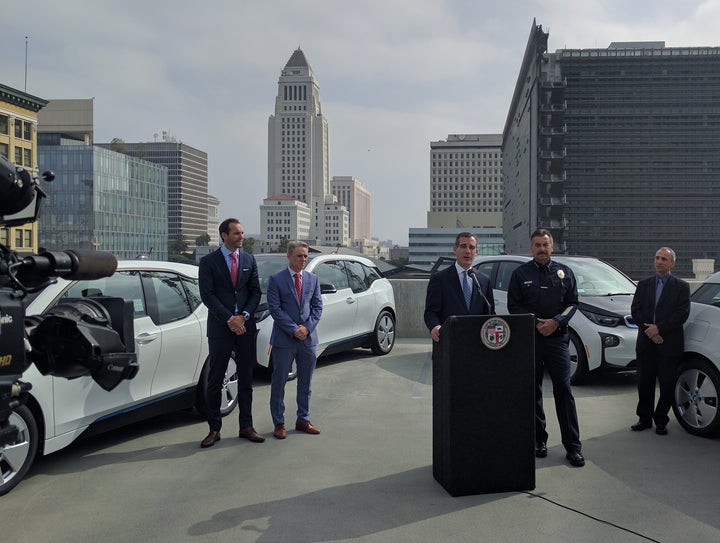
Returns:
<point x="473" y="272"/>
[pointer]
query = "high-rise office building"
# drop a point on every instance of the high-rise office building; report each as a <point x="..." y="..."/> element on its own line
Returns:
<point x="187" y="183"/>
<point x="615" y="150"/>
<point x="356" y="198"/>
<point x="466" y="187"/>
<point x="102" y="200"/>
<point x="298" y="157"/>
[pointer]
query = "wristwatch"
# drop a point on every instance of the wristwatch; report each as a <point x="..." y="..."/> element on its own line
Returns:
<point x="246" y="315"/>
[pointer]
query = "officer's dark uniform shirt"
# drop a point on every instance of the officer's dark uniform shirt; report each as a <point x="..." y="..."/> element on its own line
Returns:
<point x="550" y="292"/>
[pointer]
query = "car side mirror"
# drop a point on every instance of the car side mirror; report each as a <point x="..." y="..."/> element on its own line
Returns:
<point x="327" y="288"/>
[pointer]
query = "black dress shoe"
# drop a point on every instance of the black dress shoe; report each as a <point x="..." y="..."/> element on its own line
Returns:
<point x="661" y="430"/>
<point x="639" y="426"/>
<point x="210" y="439"/>
<point x="576" y="459"/>
<point x="250" y="433"/>
<point x="541" y="450"/>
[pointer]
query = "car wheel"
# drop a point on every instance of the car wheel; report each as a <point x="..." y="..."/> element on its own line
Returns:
<point x="695" y="401"/>
<point x="384" y="334"/>
<point x="16" y="459"/>
<point x="229" y="390"/>
<point x="578" y="361"/>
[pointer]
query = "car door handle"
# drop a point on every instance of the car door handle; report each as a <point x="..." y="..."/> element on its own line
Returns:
<point x="349" y="300"/>
<point x="145" y="338"/>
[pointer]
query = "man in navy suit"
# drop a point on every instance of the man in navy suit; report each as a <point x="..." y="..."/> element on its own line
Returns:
<point x="453" y="291"/>
<point x="660" y="307"/>
<point x="294" y="301"/>
<point x="230" y="288"/>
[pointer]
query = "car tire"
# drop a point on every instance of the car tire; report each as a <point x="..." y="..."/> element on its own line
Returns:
<point x="383" y="338"/>
<point x="695" y="401"/>
<point x="16" y="459"/>
<point x="229" y="389"/>
<point x="579" y="371"/>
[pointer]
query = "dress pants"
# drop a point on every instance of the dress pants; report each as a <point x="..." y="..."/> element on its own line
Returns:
<point x="220" y="349"/>
<point x="652" y="364"/>
<point x="305" y="359"/>
<point x="552" y="354"/>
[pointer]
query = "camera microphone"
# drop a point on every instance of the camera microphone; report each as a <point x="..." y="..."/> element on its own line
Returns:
<point x="472" y="272"/>
<point x="70" y="264"/>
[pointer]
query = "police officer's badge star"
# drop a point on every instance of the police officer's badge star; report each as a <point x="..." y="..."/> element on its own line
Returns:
<point x="561" y="274"/>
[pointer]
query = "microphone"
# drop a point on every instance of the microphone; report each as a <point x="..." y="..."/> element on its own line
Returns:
<point x="473" y="273"/>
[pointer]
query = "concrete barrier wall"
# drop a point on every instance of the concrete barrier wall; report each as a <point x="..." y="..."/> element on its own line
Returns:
<point x="410" y="305"/>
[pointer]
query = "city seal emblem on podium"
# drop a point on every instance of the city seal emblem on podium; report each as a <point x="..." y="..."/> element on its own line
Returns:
<point x="495" y="333"/>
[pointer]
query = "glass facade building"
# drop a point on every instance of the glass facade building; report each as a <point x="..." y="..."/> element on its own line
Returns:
<point x="616" y="151"/>
<point x="103" y="200"/>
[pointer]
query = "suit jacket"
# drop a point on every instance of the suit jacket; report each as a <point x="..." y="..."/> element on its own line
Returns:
<point x="288" y="313"/>
<point x="671" y="313"/>
<point x="218" y="294"/>
<point x="445" y="298"/>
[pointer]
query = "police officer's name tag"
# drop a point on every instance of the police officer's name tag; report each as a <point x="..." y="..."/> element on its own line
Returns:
<point x="495" y="333"/>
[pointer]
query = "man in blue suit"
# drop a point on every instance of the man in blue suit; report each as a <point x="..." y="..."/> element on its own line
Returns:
<point x="294" y="301"/>
<point x="230" y="288"/>
<point x="660" y="307"/>
<point x="454" y="291"/>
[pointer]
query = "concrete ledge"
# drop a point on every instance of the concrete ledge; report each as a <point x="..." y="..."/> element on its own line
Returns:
<point x="410" y="306"/>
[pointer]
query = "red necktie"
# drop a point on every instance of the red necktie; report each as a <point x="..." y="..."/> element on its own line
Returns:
<point x="233" y="269"/>
<point x="298" y="287"/>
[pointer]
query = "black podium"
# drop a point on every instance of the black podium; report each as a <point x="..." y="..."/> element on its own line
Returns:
<point x="484" y="404"/>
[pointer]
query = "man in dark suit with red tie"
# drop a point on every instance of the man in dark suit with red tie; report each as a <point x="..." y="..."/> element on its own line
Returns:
<point x="295" y="303"/>
<point x="454" y="291"/>
<point x="230" y="288"/>
<point x="660" y="307"/>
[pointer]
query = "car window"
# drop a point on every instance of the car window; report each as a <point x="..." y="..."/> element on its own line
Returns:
<point x="356" y="273"/>
<point x="505" y="271"/>
<point x="170" y="299"/>
<point x="371" y="275"/>
<point x="708" y="294"/>
<point x="597" y="278"/>
<point x="486" y="268"/>
<point x="193" y="291"/>
<point x="332" y="273"/>
<point x="122" y="284"/>
<point x="269" y="266"/>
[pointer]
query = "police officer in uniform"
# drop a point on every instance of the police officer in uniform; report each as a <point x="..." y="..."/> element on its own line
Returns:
<point x="549" y="290"/>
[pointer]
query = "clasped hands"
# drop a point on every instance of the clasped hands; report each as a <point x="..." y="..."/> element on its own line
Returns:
<point x="546" y="327"/>
<point x="653" y="333"/>
<point x="301" y="332"/>
<point x="237" y="324"/>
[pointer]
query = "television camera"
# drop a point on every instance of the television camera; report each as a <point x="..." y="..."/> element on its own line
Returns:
<point x="76" y="337"/>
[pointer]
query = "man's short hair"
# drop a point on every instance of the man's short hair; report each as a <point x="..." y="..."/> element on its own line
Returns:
<point x="541" y="232"/>
<point x="224" y="227"/>
<point x="294" y="245"/>
<point x="669" y="250"/>
<point x="465" y="235"/>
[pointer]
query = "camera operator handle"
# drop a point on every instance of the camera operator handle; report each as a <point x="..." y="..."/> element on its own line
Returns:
<point x="70" y="264"/>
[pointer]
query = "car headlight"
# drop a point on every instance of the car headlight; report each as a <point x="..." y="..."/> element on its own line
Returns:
<point x="602" y="320"/>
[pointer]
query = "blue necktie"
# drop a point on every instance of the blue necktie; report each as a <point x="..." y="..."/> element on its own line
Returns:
<point x="467" y="289"/>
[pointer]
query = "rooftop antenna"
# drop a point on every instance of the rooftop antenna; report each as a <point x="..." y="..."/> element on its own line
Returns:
<point x="26" y="55"/>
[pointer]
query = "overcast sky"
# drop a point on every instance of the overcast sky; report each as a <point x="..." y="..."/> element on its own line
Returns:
<point x="394" y="75"/>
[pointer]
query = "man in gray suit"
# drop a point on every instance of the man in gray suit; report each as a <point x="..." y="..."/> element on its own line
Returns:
<point x="294" y="301"/>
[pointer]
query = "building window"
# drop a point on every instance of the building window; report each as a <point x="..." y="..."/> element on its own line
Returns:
<point x="4" y="149"/>
<point x="3" y="124"/>
<point x="27" y="157"/>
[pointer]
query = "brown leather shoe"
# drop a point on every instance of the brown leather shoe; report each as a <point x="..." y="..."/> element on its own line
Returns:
<point x="305" y="426"/>
<point x="210" y="440"/>
<point x="250" y="433"/>
<point x="280" y="432"/>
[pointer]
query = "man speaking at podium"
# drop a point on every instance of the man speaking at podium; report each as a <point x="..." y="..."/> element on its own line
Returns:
<point x="458" y="289"/>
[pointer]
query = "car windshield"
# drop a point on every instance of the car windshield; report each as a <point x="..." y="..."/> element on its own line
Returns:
<point x="708" y="294"/>
<point x="267" y="265"/>
<point x="597" y="278"/>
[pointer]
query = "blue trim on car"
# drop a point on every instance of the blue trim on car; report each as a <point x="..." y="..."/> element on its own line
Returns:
<point x="140" y="405"/>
